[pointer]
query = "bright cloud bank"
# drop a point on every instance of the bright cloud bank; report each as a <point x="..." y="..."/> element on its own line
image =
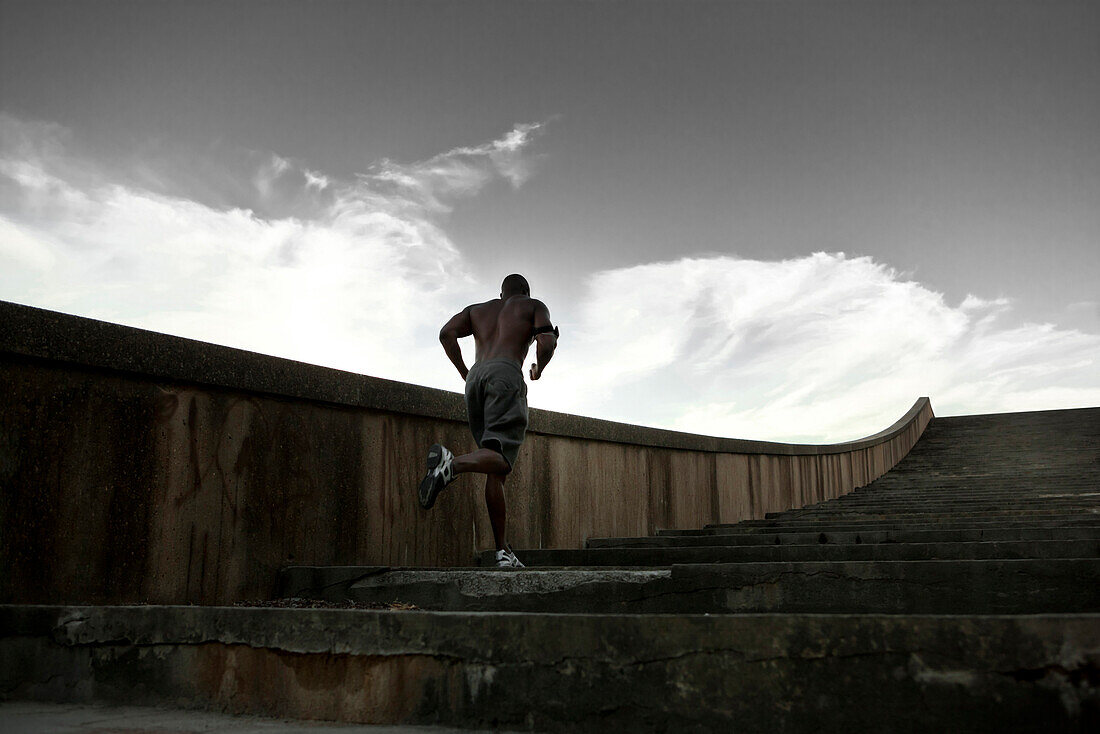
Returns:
<point x="360" y="274"/>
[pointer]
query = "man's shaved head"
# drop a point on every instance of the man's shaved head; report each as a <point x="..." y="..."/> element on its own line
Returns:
<point x="515" y="285"/>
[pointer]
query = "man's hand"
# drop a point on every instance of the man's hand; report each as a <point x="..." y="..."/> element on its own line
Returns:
<point x="536" y="373"/>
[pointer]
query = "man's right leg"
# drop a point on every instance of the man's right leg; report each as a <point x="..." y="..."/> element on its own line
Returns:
<point x="482" y="461"/>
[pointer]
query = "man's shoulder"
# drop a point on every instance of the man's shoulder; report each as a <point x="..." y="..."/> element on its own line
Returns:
<point x="482" y="305"/>
<point x="525" y="305"/>
<point x="527" y="301"/>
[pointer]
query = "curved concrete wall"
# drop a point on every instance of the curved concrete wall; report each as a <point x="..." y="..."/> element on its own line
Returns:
<point x="136" y="466"/>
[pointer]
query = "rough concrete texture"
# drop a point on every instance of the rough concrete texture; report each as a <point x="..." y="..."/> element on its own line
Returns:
<point x="1088" y="521"/>
<point x="1023" y="586"/>
<point x="853" y="538"/>
<point x="570" y="672"/>
<point x="809" y="552"/>
<point x="26" y="717"/>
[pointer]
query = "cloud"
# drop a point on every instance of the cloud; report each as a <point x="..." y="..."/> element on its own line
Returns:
<point x="817" y="348"/>
<point x="459" y="172"/>
<point x="356" y="274"/>
<point x="258" y="251"/>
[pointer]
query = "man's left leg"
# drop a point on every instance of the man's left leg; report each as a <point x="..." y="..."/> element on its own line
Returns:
<point x="495" y="468"/>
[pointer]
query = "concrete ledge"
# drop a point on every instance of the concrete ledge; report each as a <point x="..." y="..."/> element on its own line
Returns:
<point x="38" y="717"/>
<point x="791" y="673"/>
<point x="883" y="525"/>
<point x="986" y="586"/>
<point x="49" y="335"/>
<point x="812" y="551"/>
<point x="850" y="538"/>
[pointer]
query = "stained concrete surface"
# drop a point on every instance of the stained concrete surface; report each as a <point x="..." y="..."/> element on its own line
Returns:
<point x="28" y="717"/>
<point x="557" y="672"/>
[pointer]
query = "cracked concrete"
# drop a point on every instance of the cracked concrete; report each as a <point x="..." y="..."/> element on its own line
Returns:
<point x="987" y="586"/>
<point x="496" y="583"/>
<point x="692" y="672"/>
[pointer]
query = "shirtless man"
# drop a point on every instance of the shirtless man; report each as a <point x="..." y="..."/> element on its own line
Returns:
<point x="496" y="395"/>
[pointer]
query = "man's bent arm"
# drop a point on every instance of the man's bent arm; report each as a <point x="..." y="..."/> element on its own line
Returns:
<point x="458" y="327"/>
<point x="545" y="343"/>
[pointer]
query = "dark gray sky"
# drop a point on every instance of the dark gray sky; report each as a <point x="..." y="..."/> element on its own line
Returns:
<point x="956" y="142"/>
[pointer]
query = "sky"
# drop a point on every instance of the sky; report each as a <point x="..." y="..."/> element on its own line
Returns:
<point x="768" y="220"/>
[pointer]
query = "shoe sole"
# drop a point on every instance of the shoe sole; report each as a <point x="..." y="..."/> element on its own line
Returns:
<point x="427" y="492"/>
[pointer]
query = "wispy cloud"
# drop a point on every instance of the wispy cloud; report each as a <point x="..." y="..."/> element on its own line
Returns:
<point x="435" y="184"/>
<point x="356" y="274"/>
<point x="359" y="274"/>
<point x="817" y="348"/>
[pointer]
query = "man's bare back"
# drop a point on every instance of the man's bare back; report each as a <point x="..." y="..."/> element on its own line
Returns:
<point x="503" y="328"/>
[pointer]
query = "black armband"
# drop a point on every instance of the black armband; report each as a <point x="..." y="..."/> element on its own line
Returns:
<point x="545" y="330"/>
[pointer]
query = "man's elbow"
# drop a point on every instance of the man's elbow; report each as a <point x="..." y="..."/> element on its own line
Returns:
<point x="547" y="343"/>
<point x="447" y="335"/>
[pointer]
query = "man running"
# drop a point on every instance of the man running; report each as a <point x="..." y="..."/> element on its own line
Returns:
<point x="496" y="395"/>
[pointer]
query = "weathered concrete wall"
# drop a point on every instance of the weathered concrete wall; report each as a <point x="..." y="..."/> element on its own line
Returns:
<point x="136" y="466"/>
<point x="577" y="673"/>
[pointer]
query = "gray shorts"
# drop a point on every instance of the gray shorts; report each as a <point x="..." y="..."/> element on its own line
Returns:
<point x="496" y="404"/>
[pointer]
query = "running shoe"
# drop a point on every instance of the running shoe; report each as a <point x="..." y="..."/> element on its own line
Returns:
<point x="441" y="472"/>
<point x="507" y="559"/>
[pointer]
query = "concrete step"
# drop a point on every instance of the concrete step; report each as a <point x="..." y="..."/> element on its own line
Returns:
<point x="939" y="509"/>
<point x="857" y="537"/>
<point x="894" y="483"/>
<point x="582" y="673"/>
<point x="925" y="516"/>
<point x="898" y="587"/>
<point x="557" y="590"/>
<point x="999" y="499"/>
<point x="816" y="552"/>
<point x="1037" y="500"/>
<point x="902" y="496"/>
<point x="888" y="486"/>
<point x="1015" y="476"/>
<point x="915" y="517"/>
<point x="899" y="519"/>
<point x="982" y="504"/>
<point x="1019" y="477"/>
<point x="889" y="587"/>
<point x="881" y="525"/>
<point x="36" y="717"/>
<point x="920" y="516"/>
<point x="857" y="525"/>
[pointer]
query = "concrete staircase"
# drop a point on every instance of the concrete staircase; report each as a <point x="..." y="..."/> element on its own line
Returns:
<point x="959" y="592"/>
<point x="988" y="515"/>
